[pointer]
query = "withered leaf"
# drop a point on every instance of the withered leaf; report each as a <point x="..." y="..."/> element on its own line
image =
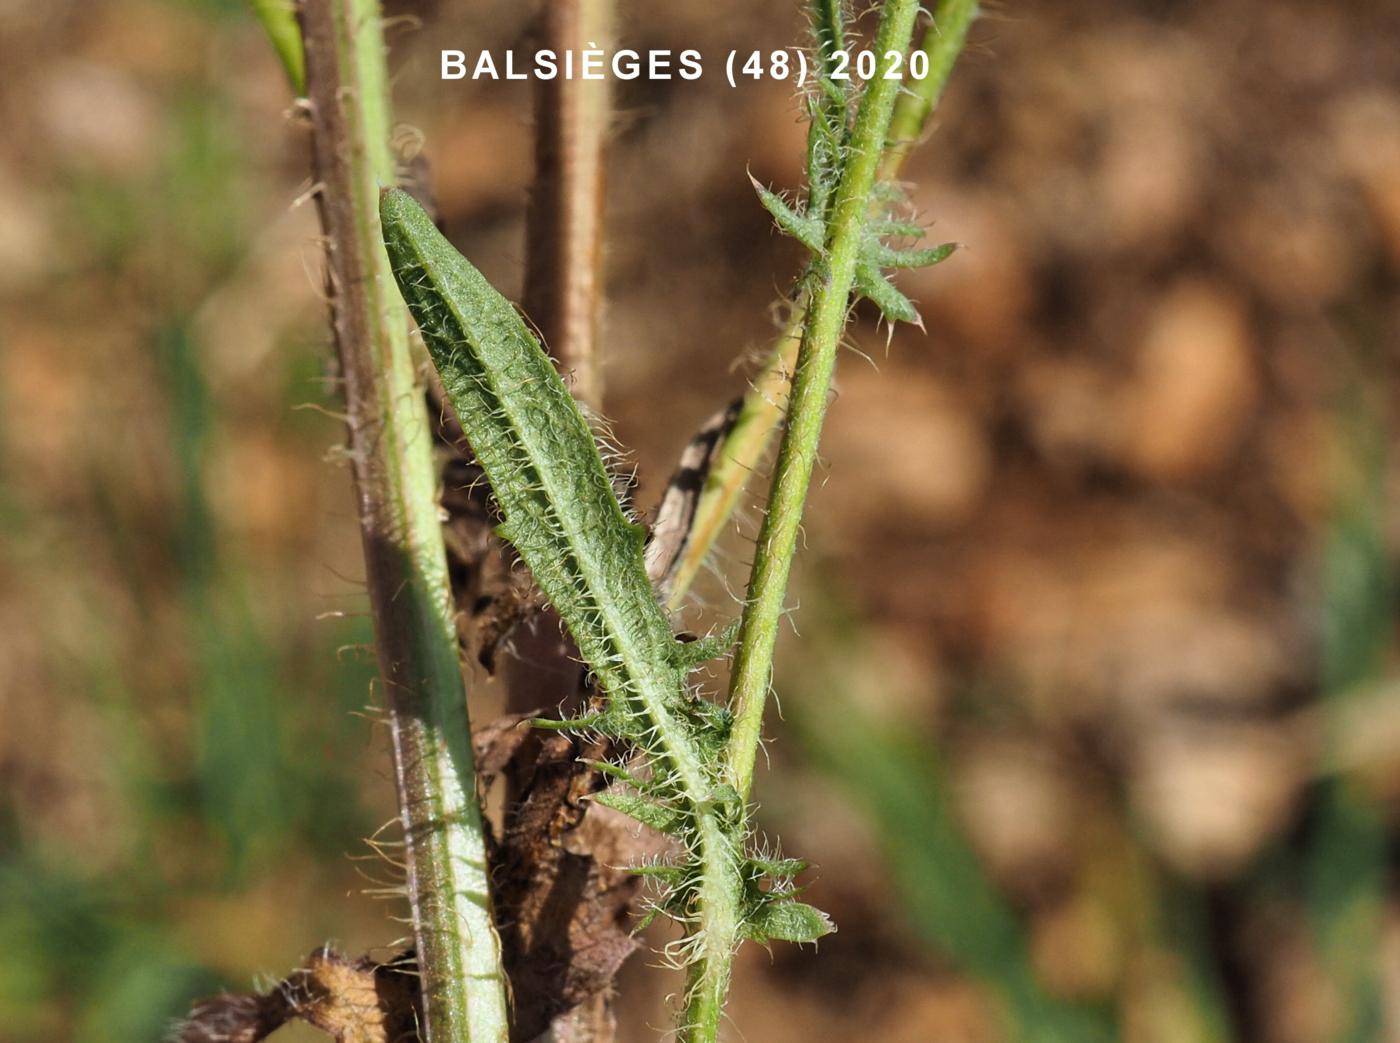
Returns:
<point x="559" y="872"/>
<point x="353" y="1001"/>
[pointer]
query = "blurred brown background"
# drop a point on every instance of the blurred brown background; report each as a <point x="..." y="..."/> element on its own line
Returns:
<point x="1093" y="726"/>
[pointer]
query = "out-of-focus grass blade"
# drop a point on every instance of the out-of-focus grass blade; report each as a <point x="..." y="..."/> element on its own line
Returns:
<point x="242" y="756"/>
<point x="941" y="886"/>
<point x="1183" y="929"/>
<point x="63" y="936"/>
<point x="1345" y="864"/>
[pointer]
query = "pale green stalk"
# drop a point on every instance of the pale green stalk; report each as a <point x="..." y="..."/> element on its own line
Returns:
<point x="943" y="42"/>
<point x="458" y="953"/>
<point x="835" y="273"/>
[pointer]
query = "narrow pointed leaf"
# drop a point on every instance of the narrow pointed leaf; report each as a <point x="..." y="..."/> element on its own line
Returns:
<point x="894" y="305"/>
<point x="888" y="257"/>
<point x="779" y="868"/>
<point x="806" y="230"/>
<point x="895" y="228"/>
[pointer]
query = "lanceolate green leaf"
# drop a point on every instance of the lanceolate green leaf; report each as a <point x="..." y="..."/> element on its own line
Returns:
<point x="533" y="442"/>
<point x="563" y="517"/>
<point x="808" y="231"/>
<point x="888" y="257"/>
<point x="892" y="304"/>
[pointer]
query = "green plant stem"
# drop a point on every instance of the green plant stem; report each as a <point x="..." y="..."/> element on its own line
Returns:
<point x="816" y="360"/>
<point x="463" y="986"/>
<point x="942" y="43"/>
<point x="766" y="401"/>
<point x="279" y="22"/>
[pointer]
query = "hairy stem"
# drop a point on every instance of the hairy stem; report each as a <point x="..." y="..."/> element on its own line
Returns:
<point x="463" y="986"/>
<point x="816" y="360"/>
<point x="766" y="401"/>
<point x="564" y="226"/>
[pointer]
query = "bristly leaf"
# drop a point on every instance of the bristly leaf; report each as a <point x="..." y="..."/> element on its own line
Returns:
<point x="710" y="724"/>
<point x="894" y="228"/>
<point x="888" y="257"/>
<point x="788" y="921"/>
<point x="777" y="868"/>
<point x="669" y="874"/>
<point x="892" y="304"/>
<point x="563" y="517"/>
<point x="711" y="646"/>
<point x="808" y="231"/>
<point x="888" y="192"/>
<point x="725" y="796"/>
<point x="649" y="813"/>
<point x="650" y="918"/>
